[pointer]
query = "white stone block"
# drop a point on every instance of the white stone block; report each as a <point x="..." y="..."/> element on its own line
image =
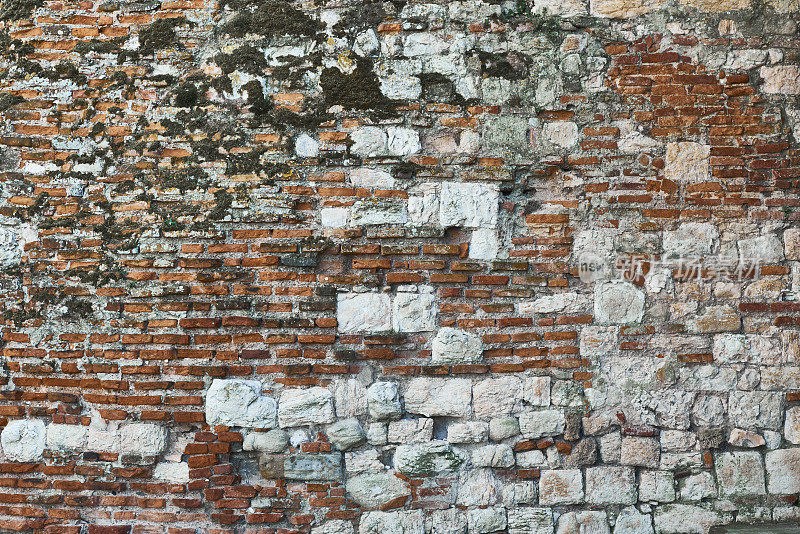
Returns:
<point x="363" y="312"/>
<point x="142" y="439"/>
<point x="469" y="205"/>
<point x="66" y="437"/>
<point x="299" y="407"/>
<point x="455" y="346"/>
<point x="23" y="440"/>
<point x="233" y="402"/>
<point x="439" y="397"/>
<point x="414" y="312"/>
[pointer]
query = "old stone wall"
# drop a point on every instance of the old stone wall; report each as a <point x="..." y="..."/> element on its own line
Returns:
<point x="399" y="267"/>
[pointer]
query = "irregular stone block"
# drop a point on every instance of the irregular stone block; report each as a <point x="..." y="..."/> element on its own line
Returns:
<point x="622" y="9"/>
<point x="504" y="135"/>
<point x="762" y="250"/>
<point x="175" y="472"/>
<point x="559" y="8"/>
<point x="523" y="520"/>
<point x="743" y="438"/>
<point x="363" y="312"/>
<point x="501" y="428"/>
<point x="486" y="520"/>
<point x="536" y="390"/>
<point x="484" y="244"/>
<point x="383" y="401"/>
<point x="312" y="406"/>
<point x="690" y="240"/>
<point x="371" y="178"/>
<point x="369" y="141"/>
<point x="687" y="162"/>
<point x="239" y="403"/>
<point x="755" y="409"/>
<point x="469" y="432"/>
<point x="451" y="397"/>
<point x="656" y="486"/>
<point x="610" y="485"/>
<point x="739" y="473"/>
<point x="143" y="439"/>
<point x="630" y="521"/>
<point x="716" y="5"/>
<point x="618" y="303"/>
<point x="542" y="423"/>
<point x="783" y="471"/>
<point x="274" y="441"/>
<point x="313" y="467"/>
<point x="560" y="486"/>
<point x="399" y="522"/>
<point x="501" y="456"/>
<point x="426" y="459"/>
<point x="377" y="212"/>
<point x="469" y="205"/>
<point x="685" y="519"/>
<point x="346" y="434"/>
<point x="583" y="523"/>
<point x="715" y="319"/>
<point x="598" y="340"/>
<point x="334" y="526"/>
<point x="477" y="487"/>
<point x="791" y="243"/>
<point x="455" y="346"/>
<point x="414" y="312"/>
<point x="271" y="465"/>
<point x="411" y="430"/>
<point x="372" y="490"/>
<point x="66" y="437"/>
<point x="563" y="134"/>
<point x="497" y="396"/>
<point x="781" y="79"/>
<point x="23" y="440"/>
<point x="403" y="141"/>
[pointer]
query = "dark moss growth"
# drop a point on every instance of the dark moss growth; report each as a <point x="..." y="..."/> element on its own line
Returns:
<point x="359" y="90"/>
<point x="126" y="186"/>
<point x="7" y="100"/>
<point x="361" y="18"/>
<point x="77" y="309"/>
<point x="246" y="58"/>
<point x="272" y="18"/>
<point x="159" y="35"/>
<point x="64" y="71"/>
<point x="224" y="201"/>
<point x="18" y="317"/>
<point x="406" y="170"/>
<point x="255" y="98"/>
<point x="185" y="180"/>
<point x="18" y="9"/>
<point x="97" y="46"/>
<point x="439" y="88"/>
<point x="510" y="65"/>
<point x="186" y="96"/>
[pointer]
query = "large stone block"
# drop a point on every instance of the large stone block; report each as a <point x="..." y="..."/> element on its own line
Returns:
<point x="451" y="397"/>
<point x="312" y="406"/>
<point x="143" y="439"/>
<point x="560" y="486"/>
<point x="739" y="473"/>
<point x="346" y="434"/>
<point x="399" y="522"/>
<point x="781" y="79"/>
<point x="584" y="522"/>
<point x="610" y="485"/>
<point x="372" y="490"/>
<point x="762" y="250"/>
<point x="363" y="312"/>
<point x="685" y="519"/>
<point x="414" y="312"/>
<point x="542" y="423"/>
<point x="525" y="520"/>
<point x="783" y="471"/>
<point x="469" y="205"/>
<point x="240" y="403"/>
<point x="714" y="319"/>
<point x="477" y="487"/>
<point x="618" y="303"/>
<point x="755" y="409"/>
<point x="313" y="466"/>
<point x="23" y="440"/>
<point x="497" y="396"/>
<point x="455" y="346"/>
<point x="687" y="162"/>
<point x="690" y="240"/>
<point x="716" y="5"/>
<point x="383" y="401"/>
<point x="66" y="437"/>
<point x="426" y="459"/>
<point x="622" y="9"/>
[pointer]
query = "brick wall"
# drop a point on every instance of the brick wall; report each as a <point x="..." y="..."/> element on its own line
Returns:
<point x="399" y="268"/>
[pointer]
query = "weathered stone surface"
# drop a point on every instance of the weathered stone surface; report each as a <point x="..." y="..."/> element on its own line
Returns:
<point x="630" y="521"/>
<point x="687" y="162"/>
<point x="755" y="409"/>
<point x="501" y="428"/>
<point x="414" y="312"/>
<point x="685" y="519"/>
<point x="470" y="432"/>
<point x="656" y="486"/>
<point x="536" y="390"/>
<point x="369" y="141"/>
<point x="144" y="439"/>
<point x="791" y="243"/>
<point x="583" y="454"/>
<point x="439" y="397"/>
<point x="334" y="526"/>
<point x="372" y="490"/>
<point x="690" y="240"/>
<point x="501" y="455"/>
<point x="762" y="250"/>
<point x="239" y="403"/>
<point x="175" y="472"/>
<point x="455" y="346"/>
<point x="66" y="437"/>
<point x="486" y="520"/>
<point x="783" y="471"/>
<point x="312" y="406"/>
<point x="426" y="459"/>
<point x="371" y="178"/>
<point x="469" y="205"/>
<point x="363" y="312"/>
<point x="23" y="440"/>
<point x="523" y="520"/>
<point x="497" y="396"/>
<point x="484" y="244"/>
<point x="640" y="451"/>
<point x="399" y="522"/>
<point x="560" y="486"/>
<point x="383" y="401"/>
<point x="716" y="319"/>
<point x="477" y="487"/>
<point x="622" y="9"/>
<point x="274" y="441"/>
<point x="618" y="303"/>
<point x="717" y="5"/>
<point x="583" y="523"/>
<point x="781" y="79"/>
<point x="610" y="485"/>
<point x="791" y="427"/>
<point x="541" y="423"/>
<point x="411" y="430"/>
<point x="346" y="434"/>
<point x="300" y="466"/>
<point x="563" y="134"/>
<point x="740" y="473"/>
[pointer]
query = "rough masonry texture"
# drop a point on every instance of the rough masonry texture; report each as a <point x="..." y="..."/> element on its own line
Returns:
<point x="399" y="267"/>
